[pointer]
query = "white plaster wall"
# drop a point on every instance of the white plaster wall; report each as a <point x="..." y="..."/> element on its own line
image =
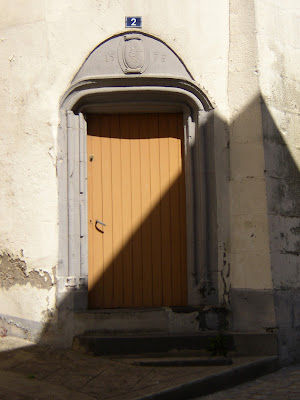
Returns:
<point x="249" y="232"/>
<point x="34" y="299"/>
<point x="28" y="206"/>
<point x="278" y="36"/>
<point x="27" y="133"/>
<point x="278" y="27"/>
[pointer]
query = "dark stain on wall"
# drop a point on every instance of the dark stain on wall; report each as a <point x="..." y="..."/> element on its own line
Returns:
<point x="13" y="272"/>
<point x="225" y="275"/>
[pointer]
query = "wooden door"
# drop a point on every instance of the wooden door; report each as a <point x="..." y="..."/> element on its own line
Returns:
<point x="136" y="187"/>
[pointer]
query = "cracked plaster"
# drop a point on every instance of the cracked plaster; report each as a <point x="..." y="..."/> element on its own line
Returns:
<point x="14" y="272"/>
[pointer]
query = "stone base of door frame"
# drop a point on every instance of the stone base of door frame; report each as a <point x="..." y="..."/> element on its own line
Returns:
<point x="151" y="320"/>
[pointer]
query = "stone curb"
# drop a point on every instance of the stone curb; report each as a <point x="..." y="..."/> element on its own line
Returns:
<point x="184" y="362"/>
<point x="219" y="381"/>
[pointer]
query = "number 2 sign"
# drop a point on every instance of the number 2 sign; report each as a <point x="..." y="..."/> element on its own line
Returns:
<point x="133" y="22"/>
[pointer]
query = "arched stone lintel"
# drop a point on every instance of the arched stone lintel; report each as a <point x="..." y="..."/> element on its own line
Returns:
<point x="133" y="53"/>
<point x="142" y="88"/>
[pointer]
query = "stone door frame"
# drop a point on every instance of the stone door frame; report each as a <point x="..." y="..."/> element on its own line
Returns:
<point x="125" y="94"/>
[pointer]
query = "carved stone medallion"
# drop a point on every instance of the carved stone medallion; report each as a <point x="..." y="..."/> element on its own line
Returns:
<point x="133" y="54"/>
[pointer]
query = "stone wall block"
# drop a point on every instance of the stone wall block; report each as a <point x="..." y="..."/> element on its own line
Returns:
<point x="252" y="310"/>
<point x="247" y="266"/>
<point x="246" y="160"/>
<point x="248" y="195"/>
<point x="249" y="233"/>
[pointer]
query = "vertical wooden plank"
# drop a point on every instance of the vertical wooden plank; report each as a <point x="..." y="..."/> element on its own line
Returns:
<point x="95" y="212"/>
<point x="156" y="249"/>
<point x="97" y="215"/>
<point x="108" y="273"/>
<point x="125" y="126"/>
<point x="146" y="132"/>
<point x="175" y="170"/>
<point x="136" y="209"/>
<point x="117" y="211"/>
<point x="164" y="160"/>
<point x="182" y="226"/>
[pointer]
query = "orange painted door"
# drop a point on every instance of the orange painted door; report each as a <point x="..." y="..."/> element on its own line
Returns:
<point x="136" y="188"/>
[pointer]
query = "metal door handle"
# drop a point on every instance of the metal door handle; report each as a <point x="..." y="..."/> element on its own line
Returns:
<point x="99" y="222"/>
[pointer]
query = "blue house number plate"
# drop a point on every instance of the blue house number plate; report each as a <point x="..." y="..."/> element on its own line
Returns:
<point x="133" y="22"/>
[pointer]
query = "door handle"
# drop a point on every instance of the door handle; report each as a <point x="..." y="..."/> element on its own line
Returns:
<point x="101" y="223"/>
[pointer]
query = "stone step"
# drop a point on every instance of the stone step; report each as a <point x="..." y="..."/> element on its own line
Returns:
<point x="240" y="344"/>
<point x="141" y="344"/>
<point x="156" y="320"/>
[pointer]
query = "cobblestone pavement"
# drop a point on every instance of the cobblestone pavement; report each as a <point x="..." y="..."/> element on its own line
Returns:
<point x="30" y="372"/>
<point x="281" y="385"/>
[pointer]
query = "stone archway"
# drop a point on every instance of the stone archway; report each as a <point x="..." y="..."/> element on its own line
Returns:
<point x="128" y="73"/>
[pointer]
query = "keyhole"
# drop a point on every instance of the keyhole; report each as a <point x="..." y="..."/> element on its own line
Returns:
<point x="91" y="157"/>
